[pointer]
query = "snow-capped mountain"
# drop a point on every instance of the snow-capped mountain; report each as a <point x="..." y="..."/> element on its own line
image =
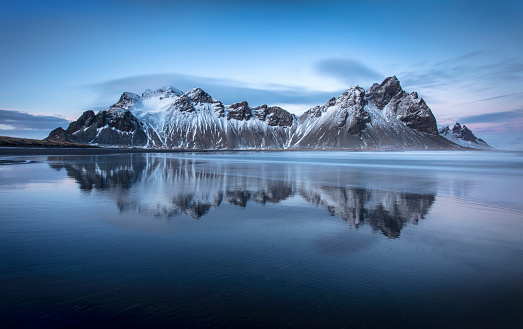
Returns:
<point x="463" y="136"/>
<point x="384" y="117"/>
<point x="168" y="118"/>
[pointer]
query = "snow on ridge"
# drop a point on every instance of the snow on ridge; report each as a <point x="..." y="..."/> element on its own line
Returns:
<point x="385" y="117"/>
<point x="165" y="92"/>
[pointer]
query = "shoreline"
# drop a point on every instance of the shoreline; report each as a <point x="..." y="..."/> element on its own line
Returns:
<point x="28" y="150"/>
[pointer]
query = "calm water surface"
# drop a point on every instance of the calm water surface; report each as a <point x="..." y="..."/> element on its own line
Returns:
<point x="263" y="240"/>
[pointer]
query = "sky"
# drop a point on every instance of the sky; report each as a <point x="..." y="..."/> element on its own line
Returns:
<point x="60" y="58"/>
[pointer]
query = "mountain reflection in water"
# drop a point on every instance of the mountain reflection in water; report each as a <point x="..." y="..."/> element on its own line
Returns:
<point x="165" y="187"/>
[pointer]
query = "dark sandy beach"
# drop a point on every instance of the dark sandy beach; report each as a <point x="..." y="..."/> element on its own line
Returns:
<point x="82" y="151"/>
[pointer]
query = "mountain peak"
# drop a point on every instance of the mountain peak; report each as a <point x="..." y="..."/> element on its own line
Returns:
<point x="239" y="111"/>
<point x="352" y="96"/>
<point x="381" y="94"/>
<point x="392" y="79"/>
<point x="165" y="92"/>
<point x="127" y="99"/>
<point x="463" y="136"/>
<point x="197" y="95"/>
<point x="463" y="132"/>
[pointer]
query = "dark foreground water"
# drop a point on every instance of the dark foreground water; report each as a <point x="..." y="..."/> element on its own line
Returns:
<point x="263" y="240"/>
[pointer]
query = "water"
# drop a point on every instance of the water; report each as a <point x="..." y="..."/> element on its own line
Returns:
<point x="263" y="240"/>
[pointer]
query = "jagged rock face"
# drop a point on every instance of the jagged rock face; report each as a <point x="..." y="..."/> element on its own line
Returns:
<point x="109" y="127"/>
<point x="409" y="109"/>
<point x="61" y="135"/>
<point x="184" y="104"/>
<point x="239" y="111"/>
<point x="415" y="113"/>
<point x="123" y="121"/>
<point x="318" y="110"/>
<point x="126" y="100"/>
<point x="198" y="96"/>
<point x="219" y="109"/>
<point x="355" y="118"/>
<point x="463" y="136"/>
<point x="384" y="117"/>
<point x="382" y="94"/>
<point x="463" y="133"/>
<point x="85" y="120"/>
<point x="274" y="116"/>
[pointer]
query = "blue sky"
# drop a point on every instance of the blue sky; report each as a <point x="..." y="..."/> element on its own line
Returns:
<point x="60" y="58"/>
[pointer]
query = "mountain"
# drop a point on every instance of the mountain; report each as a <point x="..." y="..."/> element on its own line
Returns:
<point x="463" y="136"/>
<point x="384" y="117"/>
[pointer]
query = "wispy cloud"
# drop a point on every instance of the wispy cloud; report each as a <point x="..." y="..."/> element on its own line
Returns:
<point x="226" y="90"/>
<point x="511" y="95"/>
<point x="498" y="117"/>
<point x="11" y="120"/>
<point x="348" y="71"/>
<point x="472" y="72"/>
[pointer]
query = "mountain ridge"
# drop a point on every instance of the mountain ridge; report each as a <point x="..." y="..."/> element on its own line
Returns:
<point x="385" y="117"/>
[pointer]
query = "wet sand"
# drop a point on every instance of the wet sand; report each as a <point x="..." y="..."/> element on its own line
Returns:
<point x="84" y="151"/>
<point x="21" y="151"/>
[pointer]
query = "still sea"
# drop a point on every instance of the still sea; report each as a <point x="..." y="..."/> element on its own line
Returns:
<point x="262" y="240"/>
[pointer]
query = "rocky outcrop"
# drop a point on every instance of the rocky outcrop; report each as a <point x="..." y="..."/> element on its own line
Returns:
<point x="354" y="118"/>
<point x="409" y="109"/>
<point x="184" y="104"/>
<point x="239" y="111"/>
<point x="61" y="135"/>
<point x="115" y="126"/>
<point x="198" y="96"/>
<point x="382" y="94"/>
<point x="85" y="120"/>
<point x="415" y="113"/>
<point x="274" y="116"/>
<point x="463" y="136"/>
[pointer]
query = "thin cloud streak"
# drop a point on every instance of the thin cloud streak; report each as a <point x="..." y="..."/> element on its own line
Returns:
<point x="511" y="95"/>
<point x="497" y="117"/>
<point x="11" y="119"/>
<point x="348" y="71"/>
<point x="472" y="72"/>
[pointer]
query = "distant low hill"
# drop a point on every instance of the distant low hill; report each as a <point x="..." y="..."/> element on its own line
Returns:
<point x="26" y="142"/>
